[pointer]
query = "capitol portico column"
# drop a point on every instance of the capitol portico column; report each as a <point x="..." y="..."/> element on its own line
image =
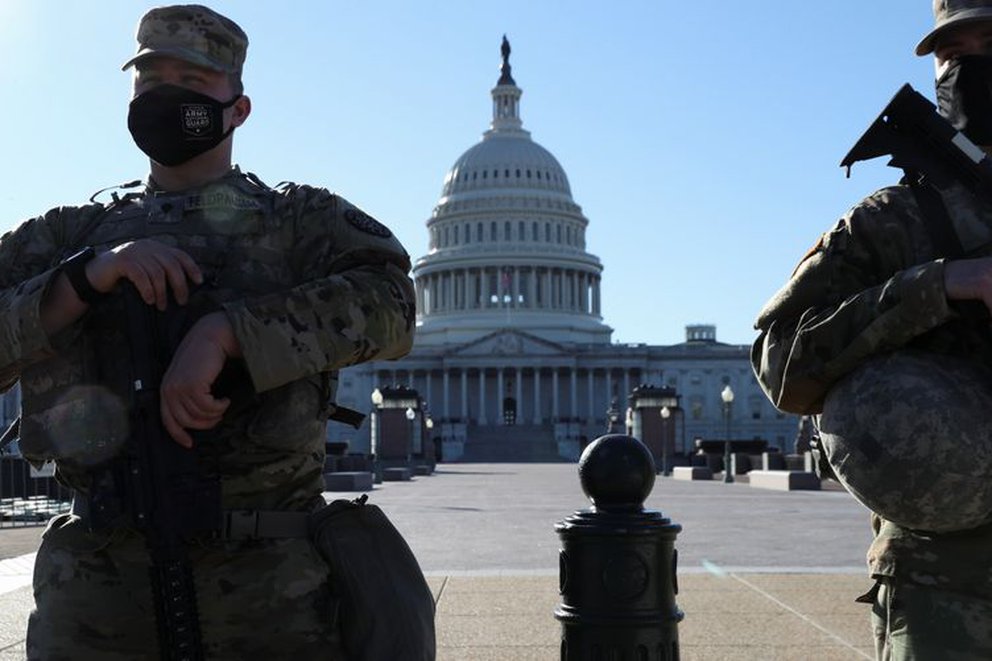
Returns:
<point x="609" y="388"/>
<point x="590" y="411"/>
<point x="554" y="393"/>
<point x="575" y="393"/>
<point x="482" y="396"/>
<point x="626" y="381"/>
<point x="464" y="414"/>
<point x="520" y="396"/>
<point x="537" y="396"/>
<point x="501" y="413"/>
<point x="427" y="385"/>
<point x="444" y="395"/>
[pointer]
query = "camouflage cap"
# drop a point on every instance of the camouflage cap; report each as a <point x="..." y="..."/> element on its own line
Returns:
<point x="193" y="33"/>
<point x="907" y="434"/>
<point x="952" y="13"/>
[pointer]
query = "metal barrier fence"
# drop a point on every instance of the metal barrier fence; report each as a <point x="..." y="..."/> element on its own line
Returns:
<point x="29" y="497"/>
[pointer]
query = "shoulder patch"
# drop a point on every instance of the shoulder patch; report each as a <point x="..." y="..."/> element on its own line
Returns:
<point x="366" y="223"/>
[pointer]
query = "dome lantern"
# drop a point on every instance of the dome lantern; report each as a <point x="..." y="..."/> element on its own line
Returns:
<point x="506" y="97"/>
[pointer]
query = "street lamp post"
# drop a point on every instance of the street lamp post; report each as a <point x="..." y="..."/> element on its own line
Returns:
<point x="727" y="395"/>
<point x="376" y="435"/>
<point x="612" y="416"/>
<point x="666" y="414"/>
<point x="410" y="416"/>
<point x="377" y="413"/>
<point x="429" y="423"/>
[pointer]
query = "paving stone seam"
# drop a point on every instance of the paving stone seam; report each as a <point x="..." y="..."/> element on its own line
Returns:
<point x="801" y="616"/>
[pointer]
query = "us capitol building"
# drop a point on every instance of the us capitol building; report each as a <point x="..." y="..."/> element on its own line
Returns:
<point x="511" y="348"/>
<point x="512" y="354"/>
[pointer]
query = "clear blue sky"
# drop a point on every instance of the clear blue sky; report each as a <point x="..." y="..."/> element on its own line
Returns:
<point x="700" y="138"/>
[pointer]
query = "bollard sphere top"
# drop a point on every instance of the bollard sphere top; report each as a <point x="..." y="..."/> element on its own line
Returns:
<point x="617" y="473"/>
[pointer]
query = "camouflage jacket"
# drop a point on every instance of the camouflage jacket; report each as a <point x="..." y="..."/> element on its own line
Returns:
<point x="872" y="284"/>
<point x="309" y="282"/>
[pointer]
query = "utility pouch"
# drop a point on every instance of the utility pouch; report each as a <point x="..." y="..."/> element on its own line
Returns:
<point x="386" y="607"/>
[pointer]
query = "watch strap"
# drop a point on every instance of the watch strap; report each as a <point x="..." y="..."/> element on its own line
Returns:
<point x="75" y="270"/>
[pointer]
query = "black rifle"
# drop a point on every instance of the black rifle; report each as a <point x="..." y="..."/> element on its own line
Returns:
<point x="166" y="490"/>
<point x="923" y="144"/>
<point x="932" y="154"/>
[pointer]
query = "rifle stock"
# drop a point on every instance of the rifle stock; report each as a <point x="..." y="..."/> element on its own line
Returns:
<point x="922" y="143"/>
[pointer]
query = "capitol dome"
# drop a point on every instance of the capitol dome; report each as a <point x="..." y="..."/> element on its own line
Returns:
<point x="502" y="160"/>
<point x="507" y="242"/>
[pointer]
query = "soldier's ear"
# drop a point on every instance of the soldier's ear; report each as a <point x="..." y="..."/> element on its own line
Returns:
<point x="240" y="110"/>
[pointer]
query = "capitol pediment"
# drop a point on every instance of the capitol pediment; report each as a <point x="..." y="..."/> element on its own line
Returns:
<point x="509" y="343"/>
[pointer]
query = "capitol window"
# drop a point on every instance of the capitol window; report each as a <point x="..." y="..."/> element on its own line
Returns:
<point x="478" y="233"/>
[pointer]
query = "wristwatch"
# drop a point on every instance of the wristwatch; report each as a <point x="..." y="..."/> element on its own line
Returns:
<point x="75" y="269"/>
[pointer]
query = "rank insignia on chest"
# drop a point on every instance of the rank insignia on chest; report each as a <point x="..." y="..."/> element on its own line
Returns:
<point x="366" y="223"/>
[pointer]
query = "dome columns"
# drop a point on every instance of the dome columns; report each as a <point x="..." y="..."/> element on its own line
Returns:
<point x="524" y="287"/>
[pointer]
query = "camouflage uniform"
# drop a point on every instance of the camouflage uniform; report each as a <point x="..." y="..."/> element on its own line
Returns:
<point x="871" y="285"/>
<point x="310" y="284"/>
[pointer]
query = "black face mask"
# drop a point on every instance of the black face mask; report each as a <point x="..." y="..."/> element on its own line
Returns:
<point x="172" y="124"/>
<point x="964" y="97"/>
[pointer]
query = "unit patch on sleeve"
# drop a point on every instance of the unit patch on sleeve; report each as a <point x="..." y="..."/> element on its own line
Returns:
<point x="366" y="223"/>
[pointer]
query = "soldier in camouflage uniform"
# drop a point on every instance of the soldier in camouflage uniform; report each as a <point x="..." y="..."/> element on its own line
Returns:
<point x="294" y="283"/>
<point x="887" y="341"/>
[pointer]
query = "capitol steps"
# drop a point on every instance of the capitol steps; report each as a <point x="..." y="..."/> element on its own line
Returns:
<point x="512" y="443"/>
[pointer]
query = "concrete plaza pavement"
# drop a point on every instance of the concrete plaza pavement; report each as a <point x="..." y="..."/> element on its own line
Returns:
<point x="762" y="574"/>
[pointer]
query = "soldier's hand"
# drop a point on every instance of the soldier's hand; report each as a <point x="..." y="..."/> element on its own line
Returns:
<point x="969" y="279"/>
<point x="153" y="267"/>
<point x="186" y="398"/>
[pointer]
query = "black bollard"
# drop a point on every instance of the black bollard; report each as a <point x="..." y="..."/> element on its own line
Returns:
<point x="617" y="563"/>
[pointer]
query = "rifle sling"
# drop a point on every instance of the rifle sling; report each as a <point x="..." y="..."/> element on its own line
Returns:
<point x="937" y="220"/>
